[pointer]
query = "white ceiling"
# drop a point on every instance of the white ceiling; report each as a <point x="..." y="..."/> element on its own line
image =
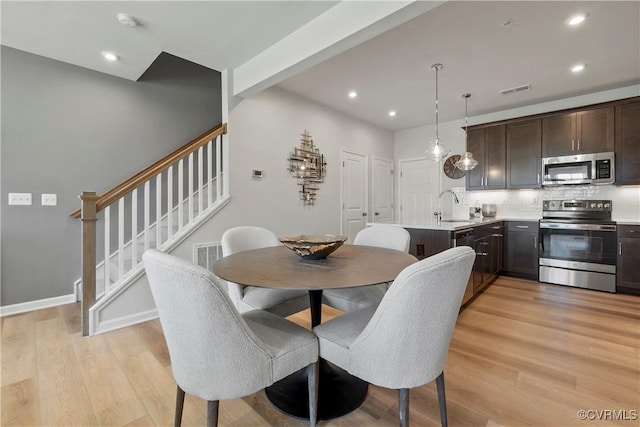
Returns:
<point x="390" y="71"/>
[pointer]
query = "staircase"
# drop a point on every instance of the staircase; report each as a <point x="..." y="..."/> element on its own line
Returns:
<point x="156" y="208"/>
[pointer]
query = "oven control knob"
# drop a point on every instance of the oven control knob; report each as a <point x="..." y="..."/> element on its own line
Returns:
<point x="600" y="205"/>
<point x="593" y="205"/>
<point x="607" y="205"/>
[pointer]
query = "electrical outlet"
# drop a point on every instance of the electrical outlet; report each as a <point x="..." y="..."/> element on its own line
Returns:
<point x="49" y="200"/>
<point x="23" y="199"/>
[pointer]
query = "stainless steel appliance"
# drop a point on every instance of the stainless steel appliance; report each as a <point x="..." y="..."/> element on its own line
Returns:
<point x="595" y="168"/>
<point x="578" y="244"/>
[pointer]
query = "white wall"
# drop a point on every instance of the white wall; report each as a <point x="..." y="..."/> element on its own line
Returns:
<point x="411" y="143"/>
<point x="263" y="129"/>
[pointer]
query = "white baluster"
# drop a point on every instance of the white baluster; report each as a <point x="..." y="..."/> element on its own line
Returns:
<point x="134" y="228"/>
<point x="107" y="249"/>
<point x="190" y="187"/>
<point x="120" y="238"/>
<point x="158" y="210"/>
<point x="209" y="173"/>
<point x="200" y="181"/>
<point x="147" y="209"/>
<point x="219" y="168"/>
<point x="169" y="202"/>
<point x="180" y="194"/>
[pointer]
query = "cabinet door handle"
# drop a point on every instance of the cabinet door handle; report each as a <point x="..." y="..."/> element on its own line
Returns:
<point x="364" y="214"/>
<point x="572" y="145"/>
<point x="522" y="226"/>
<point x="619" y="248"/>
<point x="535" y="242"/>
<point x="578" y="144"/>
<point x="538" y="179"/>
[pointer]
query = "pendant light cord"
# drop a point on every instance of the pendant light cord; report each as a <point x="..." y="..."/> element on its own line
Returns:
<point x="437" y="67"/>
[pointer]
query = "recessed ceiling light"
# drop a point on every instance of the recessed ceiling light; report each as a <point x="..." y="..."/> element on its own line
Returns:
<point x="392" y="113"/>
<point x="577" y="19"/>
<point x="126" y="20"/>
<point x="577" y="68"/>
<point x="353" y="94"/>
<point x="109" y="56"/>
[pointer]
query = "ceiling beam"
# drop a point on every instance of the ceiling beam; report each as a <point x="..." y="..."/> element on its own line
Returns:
<point x="340" y="28"/>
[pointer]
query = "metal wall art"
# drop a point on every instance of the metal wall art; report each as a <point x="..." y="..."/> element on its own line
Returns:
<point x="308" y="166"/>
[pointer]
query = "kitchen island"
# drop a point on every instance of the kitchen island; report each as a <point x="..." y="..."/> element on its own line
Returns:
<point x="487" y="237"/>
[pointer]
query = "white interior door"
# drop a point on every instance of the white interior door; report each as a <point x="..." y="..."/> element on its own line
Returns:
<point x="418" y="190"/>
<point x="382" y="191"/>
<point x="354" y="193"/>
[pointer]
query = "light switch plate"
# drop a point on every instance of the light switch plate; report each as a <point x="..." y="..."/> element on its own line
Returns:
<point x="49" y="199"/>
<point x="20" y="199"/>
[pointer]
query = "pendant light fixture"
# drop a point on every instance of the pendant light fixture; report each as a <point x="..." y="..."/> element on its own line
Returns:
<point x="436" y="151"/>
<point x="466" y="162"/>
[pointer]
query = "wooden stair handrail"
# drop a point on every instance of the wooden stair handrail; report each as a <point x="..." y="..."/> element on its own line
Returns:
<point x="150" y="171"/>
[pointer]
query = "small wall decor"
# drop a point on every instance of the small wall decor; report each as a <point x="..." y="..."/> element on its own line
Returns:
<point x="308" y="166"/>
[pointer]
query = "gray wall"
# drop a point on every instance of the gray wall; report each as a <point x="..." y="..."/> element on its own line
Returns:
<point x="65" y="130"/>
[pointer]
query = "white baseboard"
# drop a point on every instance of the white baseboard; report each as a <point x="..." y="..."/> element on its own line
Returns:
<point x="24" y="307"/>
<point x="122" y="322"/>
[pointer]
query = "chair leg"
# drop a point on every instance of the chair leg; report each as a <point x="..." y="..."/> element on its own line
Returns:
<point x="403" y="410"/>
<point x="179" y="405"/>
<point x="312" y="375"/>
<point x="442" y="400"/>
<point x="212" y="413"/>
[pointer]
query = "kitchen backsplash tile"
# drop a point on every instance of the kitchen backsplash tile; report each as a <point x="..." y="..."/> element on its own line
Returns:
<point x="527" y="204"/>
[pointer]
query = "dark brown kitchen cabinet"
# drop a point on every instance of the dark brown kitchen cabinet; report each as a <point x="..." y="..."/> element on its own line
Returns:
<point x="524" y="154"/>
<point x="488" y="264"/>
<point x="582" y="132"/>
<point x="627" y="270"/>
<point x="627" y="143"/>
<point x="521" y="249"/>
<point x="489" y="149"/>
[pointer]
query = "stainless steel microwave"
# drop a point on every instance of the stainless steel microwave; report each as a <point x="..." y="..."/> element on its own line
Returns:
<point x="595" y="168"/>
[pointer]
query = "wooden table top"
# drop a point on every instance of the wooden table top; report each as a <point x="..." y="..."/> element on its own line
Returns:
<point x="278" y="267"/>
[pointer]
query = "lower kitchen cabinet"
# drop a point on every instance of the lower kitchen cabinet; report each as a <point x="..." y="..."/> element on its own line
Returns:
<point x="521" y="250"/>
<point x="627" y="271"/>
<point x="488" y="245"/>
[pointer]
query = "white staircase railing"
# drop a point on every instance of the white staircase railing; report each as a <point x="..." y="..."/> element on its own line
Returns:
<point x="153" y="209"/>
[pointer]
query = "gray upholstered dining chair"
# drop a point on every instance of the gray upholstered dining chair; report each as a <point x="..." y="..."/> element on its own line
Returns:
<point x="379" y="235"/>
<point x="216" y="352"/>
<point x="403" y="343"/>
<point x="282" y="302"/>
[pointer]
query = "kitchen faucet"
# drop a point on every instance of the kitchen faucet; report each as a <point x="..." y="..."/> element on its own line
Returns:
<point x="438" y="214"/>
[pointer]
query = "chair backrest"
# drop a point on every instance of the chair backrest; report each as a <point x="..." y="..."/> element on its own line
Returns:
<point x="405" y="344"/>
<point x="245" y="238"/>
<point x="384" y="236"/>
<point x="214" y="354"/>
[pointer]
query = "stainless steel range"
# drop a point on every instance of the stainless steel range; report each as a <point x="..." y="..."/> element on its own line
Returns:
<point x="578" y="244"/>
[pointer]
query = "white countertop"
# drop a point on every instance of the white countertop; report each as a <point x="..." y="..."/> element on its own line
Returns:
<point x="458" y="224"/>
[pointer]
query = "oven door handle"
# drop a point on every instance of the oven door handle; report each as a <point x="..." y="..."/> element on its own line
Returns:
<point x="565" y="226"/>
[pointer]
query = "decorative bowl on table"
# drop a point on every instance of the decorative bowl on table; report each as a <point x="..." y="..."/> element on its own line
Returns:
<point x="313" y="246"/>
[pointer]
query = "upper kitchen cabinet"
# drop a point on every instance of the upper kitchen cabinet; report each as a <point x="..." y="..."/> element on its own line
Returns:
<point x="488" y="147"/>
<point x="524" y="145"/>
<point x="582" y="132"/>
<point x="628" y="144"/>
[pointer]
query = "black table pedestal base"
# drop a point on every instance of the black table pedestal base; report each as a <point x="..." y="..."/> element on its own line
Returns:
<point x="338" y="393"/>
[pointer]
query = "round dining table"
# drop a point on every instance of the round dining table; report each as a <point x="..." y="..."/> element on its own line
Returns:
<point x="349" y="266"/>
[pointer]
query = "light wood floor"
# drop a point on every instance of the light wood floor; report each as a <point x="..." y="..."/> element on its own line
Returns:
<point x="522" y="354"/>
